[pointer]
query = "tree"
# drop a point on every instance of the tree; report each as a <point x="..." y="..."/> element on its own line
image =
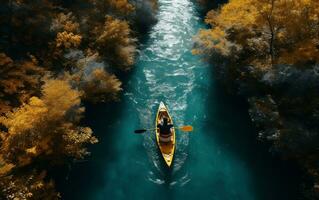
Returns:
<point x="46" y="126"/>
<point x="100" y="86"/>
<point x="19" y="81"/>
<point x="29" y="186"/>
<point x="282" y="27"/>
<point x="114" y="41"/>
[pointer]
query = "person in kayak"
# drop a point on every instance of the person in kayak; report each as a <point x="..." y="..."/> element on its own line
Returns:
<point x="165" y="130"/>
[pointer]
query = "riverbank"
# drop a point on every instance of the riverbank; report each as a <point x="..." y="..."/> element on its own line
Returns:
<point x="266" y="62"/>
<point x="54" y="56"/>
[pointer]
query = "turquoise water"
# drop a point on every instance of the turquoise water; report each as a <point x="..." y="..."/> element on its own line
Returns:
<point x="219" y="160"/>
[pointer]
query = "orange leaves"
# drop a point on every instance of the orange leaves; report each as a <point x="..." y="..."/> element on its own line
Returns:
<point x="94" y="82"/>
<point x="234" y="20"/>
<point x="75" y="138"/>
<point x="121" y="6"/>
<point x="68" y="36"/>
<point x="31" y="185"/>
<point x="305" y="51"/>
<point x="237" y="13"/>
<point x="263" y="29"/>
<point x="115" y="41"/>
<point x="213" y="41"/>
<point x="59" y="98"/>
<point x="24" y="118"/>
<point x="19" y="80"/>
<point x="114" y="31"/>
<point x="65" y="22"/>
<point x="35" y="127"/>
<point x="68" y="40"/>
<point x="211" y="17"/>
<point x="4" y="167"/>
<point x="5" y="60"/>
<point x="15" y="76"/>
<point x="297" y="31"/>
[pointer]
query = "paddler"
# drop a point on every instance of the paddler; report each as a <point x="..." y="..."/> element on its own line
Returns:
<point x="165" y="130"/>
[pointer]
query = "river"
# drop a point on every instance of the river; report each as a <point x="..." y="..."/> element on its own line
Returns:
<point x="220" y="159"/>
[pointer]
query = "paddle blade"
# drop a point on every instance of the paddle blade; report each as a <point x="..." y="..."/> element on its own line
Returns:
<point x="140" y="131"/>
<point x="186" y="128"/>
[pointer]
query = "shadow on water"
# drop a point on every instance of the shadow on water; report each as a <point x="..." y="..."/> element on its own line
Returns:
<point x="272" y="177"/>
<point x="87" y="173"/>
<point x="84" y="177"/>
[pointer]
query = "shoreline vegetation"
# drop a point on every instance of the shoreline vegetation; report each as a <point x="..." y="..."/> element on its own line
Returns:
<point x="268" y="52"/>
<point x="53" y="57"/>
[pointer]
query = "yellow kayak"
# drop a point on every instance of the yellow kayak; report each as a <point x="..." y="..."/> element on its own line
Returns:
<point x="167" y="148"/>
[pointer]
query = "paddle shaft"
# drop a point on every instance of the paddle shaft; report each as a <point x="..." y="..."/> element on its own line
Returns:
<point x="151" y="129"/>
<point x="183" y="128"/>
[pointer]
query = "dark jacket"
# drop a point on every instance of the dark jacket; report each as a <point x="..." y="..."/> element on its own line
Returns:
<point x="165" y="129"/>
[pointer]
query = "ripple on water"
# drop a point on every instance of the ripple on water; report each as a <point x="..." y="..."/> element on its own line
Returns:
<point x="169" y="76"/>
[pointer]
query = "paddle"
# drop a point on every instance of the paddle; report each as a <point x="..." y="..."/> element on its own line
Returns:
<point x="187" y="128"/>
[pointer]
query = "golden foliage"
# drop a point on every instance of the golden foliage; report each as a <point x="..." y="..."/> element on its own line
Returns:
<point x="65" y="22"/>
<point x="46" y="125"/>
<point x="24" y="118"/>
<point x="303" y="52"/>
<point x="115" y="30"/>
<point x="237" y="13"/>
<point x="68" y="40"/>
<point x="30" y="186"/>
<point x="114" y="39"/>
<point x="60" y="98"/>
<point x="5" y="167"/>
<point x="96" y="84"/>
<point x="19" y="81"/>
<point x="121" y="6"/>
<point x="286" y="31"/>
<point x="212" y="40"/>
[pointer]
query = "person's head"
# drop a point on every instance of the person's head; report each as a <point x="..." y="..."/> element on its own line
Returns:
<point x="165" y="120"/>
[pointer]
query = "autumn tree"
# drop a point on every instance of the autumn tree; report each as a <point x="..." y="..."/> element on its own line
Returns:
<point x="46" y="126"/>
<point x="19" y="81"/>
<point x="265" y="29"/>
<point x="100" y="86"/>
<point x="92" y="78"/>
<point x="114" y="41"/>
<point x="68" y="36"/>
<point x="29" y="186"/>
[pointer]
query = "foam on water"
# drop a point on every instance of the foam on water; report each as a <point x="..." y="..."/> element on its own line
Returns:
<point x="169" y="72"/>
